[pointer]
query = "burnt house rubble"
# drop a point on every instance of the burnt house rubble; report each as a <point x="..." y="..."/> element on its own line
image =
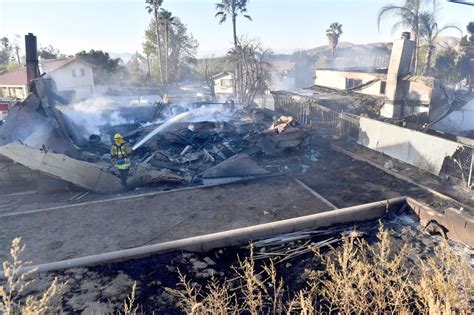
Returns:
<point x="392" y="111"/>
<point x="200" y="142"/>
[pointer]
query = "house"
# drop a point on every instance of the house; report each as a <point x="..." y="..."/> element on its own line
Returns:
<point x="403" y="93"/>
<point x="13" y="84"/>
<point x="224" y="85"/>
<point x="73" y="78"/>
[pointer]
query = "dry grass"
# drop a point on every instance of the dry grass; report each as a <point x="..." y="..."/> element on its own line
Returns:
<point x="216" y="298"/>
<point x="357" y="278"/>
<point x="18" y="281"/>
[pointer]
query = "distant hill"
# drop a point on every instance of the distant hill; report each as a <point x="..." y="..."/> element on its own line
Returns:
<point x="443" y="42"/>
<point x="353" y="55"/>
<point x="361" y="55"/>
<point x="125" y="56"/>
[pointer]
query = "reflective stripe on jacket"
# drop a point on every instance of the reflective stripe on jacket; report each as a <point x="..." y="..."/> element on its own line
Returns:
<point x="120" y="155"/>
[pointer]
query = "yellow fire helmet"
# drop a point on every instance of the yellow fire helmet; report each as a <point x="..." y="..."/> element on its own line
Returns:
<point x="117" y="136"/>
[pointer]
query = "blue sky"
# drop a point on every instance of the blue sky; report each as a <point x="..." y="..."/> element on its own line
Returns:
<point x="283" y="25"/>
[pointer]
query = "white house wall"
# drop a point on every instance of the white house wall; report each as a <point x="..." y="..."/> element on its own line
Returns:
<point x="337" y="80"/>
<point x="83" y="86"/>
<point x="416" y="148"/>
<point x="219" y="89"/>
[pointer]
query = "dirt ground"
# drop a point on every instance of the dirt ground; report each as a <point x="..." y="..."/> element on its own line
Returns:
<point x="102" y="289"/>
<point x="73" y="229"/>
<point x="55" y="227"/>
<point x="85" y="229"/>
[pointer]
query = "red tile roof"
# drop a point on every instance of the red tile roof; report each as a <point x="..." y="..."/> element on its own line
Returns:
<point x="18" y="77"/>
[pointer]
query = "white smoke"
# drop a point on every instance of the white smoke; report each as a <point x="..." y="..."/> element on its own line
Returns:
<point x="94" y="113"/>
<point x="203" y="113"/>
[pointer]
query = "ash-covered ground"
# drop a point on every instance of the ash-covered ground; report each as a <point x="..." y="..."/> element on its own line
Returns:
<point x="103" y="289"/>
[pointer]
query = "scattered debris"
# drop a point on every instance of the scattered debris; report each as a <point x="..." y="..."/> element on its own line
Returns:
<point x="388" y="165"/>
<point x="186" y="144"/>
<point x="238" y="165"/>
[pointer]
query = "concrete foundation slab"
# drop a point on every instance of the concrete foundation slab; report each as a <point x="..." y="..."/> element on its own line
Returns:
<point x="86" y="175"/>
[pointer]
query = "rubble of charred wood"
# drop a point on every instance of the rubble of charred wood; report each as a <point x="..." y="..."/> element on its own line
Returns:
<point x="197" y="151"/>
<point x="187" y="152"/>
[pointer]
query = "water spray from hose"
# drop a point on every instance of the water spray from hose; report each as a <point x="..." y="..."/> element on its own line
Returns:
<point x="204" y="113"/>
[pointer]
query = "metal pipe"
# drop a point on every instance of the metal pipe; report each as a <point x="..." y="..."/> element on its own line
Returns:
<point x="234" y="237"/>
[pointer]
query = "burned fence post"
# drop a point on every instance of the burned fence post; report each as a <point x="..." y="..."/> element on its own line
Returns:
<point x="469" y="183"/>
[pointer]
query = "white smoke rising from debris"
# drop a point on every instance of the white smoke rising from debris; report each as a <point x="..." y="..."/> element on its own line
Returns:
<point x="94" y="113"/>
<point x="39" y="137"/>
<point x="282" y="82"/>
<point x="203" y="113"/>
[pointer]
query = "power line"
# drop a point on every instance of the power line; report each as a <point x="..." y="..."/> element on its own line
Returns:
<point x="462" y="2"/>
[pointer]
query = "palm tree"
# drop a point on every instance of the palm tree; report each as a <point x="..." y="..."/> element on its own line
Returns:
<point x="168" y="20"/>
<point x="148" y="49"/>
<point x="153" y="6"/>
<point x="429" y="32"/>
<point x="233" y="8"/>
<point x="333" y="33"/>
<point x="409" y="16"/>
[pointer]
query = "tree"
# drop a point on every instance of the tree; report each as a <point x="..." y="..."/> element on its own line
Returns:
<point x="408" y="15"/>
<point x="10" y="58"/>
<point x="255" y="68"/>
<point x="148" y="50"/>
<point x="206" y="68"/>
<point x="470" y="29"/>
<point x="208" y="73"/>
<point x="168" y="21"/>
<point x="429" y="32"/>
<point x="49" y="52"/>
<point x="453" y="67"/>
<point x="333" y="33"/>
<point x="153" y="7"/>
<point x="137" y="75"/>
<point x="108" y="70"/>
<point x="181" y="45"/>
<point x="233" y="8"/>
<point x="5" y="52"/>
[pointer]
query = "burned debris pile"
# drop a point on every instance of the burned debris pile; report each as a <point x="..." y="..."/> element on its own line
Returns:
<point x="215" y="151"/>
<point x="189" y="144"/>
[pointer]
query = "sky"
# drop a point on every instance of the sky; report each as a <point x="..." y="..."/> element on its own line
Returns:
<point x="283" y="25"/>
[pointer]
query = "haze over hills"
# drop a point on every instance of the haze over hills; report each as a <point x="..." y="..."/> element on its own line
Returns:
<point x="125" y="56"/>
<point x="347" y="53"/>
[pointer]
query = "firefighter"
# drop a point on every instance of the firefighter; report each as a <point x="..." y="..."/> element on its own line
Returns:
<point x="120" y="153"/>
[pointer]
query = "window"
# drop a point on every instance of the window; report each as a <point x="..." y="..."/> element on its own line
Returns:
<point x="227" y="83"/>
<point x="383" y="85"/>
<point x="351" y="83"/>
<point x="78" y="73"/>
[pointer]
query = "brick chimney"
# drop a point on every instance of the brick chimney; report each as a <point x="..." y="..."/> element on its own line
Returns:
<point x="31" y="48"/>
<point x="400" y="65"/>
